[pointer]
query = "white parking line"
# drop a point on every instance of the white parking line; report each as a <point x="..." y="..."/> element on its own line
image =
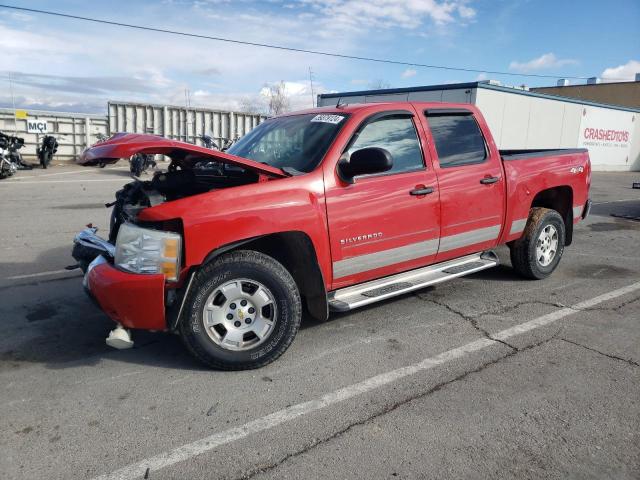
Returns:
<point x="190" y="450"/>
<point x="20" y="179"/>
<point x="29" y="182"/>
<point x="616" y="201"/>
<point x="40" y="274"/>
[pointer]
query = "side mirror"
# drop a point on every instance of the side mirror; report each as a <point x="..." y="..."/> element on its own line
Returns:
<point x="364" y="162"/>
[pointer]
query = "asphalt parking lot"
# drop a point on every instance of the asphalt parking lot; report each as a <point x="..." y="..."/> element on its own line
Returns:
<point x="488" y="376"/>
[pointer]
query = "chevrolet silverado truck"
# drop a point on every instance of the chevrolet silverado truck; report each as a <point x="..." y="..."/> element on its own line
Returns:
<point x="324" y="210"/>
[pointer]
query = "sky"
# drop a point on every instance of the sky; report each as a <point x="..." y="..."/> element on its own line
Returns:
<point x="54" y="63"/>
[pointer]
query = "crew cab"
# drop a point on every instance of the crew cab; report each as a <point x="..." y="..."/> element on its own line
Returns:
<point x="331" y="209"/>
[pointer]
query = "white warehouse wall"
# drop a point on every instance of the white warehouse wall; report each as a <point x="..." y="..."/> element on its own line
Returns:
<point x="527" y="121"/>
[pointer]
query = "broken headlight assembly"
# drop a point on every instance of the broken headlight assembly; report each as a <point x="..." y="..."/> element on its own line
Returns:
<point x="147" y="251"/>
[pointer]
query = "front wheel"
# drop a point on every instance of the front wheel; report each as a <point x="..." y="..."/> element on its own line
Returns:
<point x="537" y="253"/>
<point x="243" y="312"/>
<point x="45" y="160"/>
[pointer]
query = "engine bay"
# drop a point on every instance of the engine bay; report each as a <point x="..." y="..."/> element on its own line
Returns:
<point x="174" y="184"/>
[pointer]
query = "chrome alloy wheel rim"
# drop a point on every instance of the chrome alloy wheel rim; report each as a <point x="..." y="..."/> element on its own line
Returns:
<point x="240" y="314"/>
<point x="547" y="245"/>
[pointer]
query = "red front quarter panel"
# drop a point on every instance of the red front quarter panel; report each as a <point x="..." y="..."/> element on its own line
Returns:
<point x="135" y="301"/>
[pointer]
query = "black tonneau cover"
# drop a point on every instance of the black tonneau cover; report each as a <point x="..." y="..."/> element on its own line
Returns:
<point x="536" y="153"/>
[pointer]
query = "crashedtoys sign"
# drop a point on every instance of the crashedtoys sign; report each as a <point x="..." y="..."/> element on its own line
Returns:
<point x="607" y="134"/>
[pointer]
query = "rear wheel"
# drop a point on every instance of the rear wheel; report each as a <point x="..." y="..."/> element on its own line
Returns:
<point x="243" y="311"/>
<point x="45" y="160"/>
<point x="537" y="253"/>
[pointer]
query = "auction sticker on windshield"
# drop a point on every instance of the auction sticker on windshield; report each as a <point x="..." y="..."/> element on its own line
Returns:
<point x="326" y="118"/>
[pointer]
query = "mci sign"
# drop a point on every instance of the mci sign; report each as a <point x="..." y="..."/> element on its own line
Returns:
<point x="36" y="126"/>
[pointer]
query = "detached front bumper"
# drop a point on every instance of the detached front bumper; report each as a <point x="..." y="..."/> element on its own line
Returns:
<point x="133" y="300"/>
<point x="130" y="299"/>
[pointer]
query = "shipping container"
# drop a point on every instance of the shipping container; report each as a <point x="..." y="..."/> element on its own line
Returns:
<point x="180" y="123"/>
<point x="521" y="119"/>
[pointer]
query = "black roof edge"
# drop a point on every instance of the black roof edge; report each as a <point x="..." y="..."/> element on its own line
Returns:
<point x="425" y="88"/>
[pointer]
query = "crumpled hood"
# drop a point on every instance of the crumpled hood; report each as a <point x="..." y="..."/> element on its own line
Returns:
<point x="124" y="145"/>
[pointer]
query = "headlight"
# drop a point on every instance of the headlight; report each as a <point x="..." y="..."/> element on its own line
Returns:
<point x="142" y="250"/>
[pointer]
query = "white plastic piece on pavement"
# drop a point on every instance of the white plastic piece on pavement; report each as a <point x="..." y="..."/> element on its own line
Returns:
<point x="120" y="338"/>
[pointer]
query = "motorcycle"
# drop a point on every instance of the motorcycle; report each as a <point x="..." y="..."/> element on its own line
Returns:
<point x="11" y="159"/>
<point x="7" y="168"/>
<point x="209" y="142"/>
<point x="46" y="150"/>
<point x="101" y="137"/>
<point x="140" y="162"/>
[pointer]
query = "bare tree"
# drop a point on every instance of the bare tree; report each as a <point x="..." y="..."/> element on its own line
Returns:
<point x="379" y="84"/>
<point x="252" y="104"/>
<point x="278" y="98"/>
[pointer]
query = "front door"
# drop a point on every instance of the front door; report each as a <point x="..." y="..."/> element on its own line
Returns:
<point x="385" y="223"/>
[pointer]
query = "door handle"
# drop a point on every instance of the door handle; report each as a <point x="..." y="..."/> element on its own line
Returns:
<point x="421" y="190"/>
<point x="489" y="180"/>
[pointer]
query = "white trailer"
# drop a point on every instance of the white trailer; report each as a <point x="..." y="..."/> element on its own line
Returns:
<point x="74" y="131"/>
<point x="521" y="119"/>
<point x="180" y="123"/>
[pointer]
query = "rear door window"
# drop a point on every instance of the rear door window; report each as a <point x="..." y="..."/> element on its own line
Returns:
<point x="458" y="140"/>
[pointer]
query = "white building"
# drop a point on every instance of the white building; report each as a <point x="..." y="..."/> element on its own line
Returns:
<point x="520" y="119"/>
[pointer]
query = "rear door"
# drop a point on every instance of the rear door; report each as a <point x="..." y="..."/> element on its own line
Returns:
<point x="384" y="223"/>
<point x="470" y="178"/>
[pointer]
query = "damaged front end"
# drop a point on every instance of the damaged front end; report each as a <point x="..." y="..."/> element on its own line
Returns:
<point x="87" y="246"/>
<point x="136" y="274"/>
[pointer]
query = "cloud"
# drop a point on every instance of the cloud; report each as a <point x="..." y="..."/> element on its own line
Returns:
<point x="408" y="73"/>
<point x="408" y="14"/>
<point x="208" y="71"/>
<point x="622" y="73"/>
<point x="543" y="62"/>
<point x="87" y="65"/>
<point x="84" y="85"/>
<point x="481" y="77"/>
<point x="466" y="12"/>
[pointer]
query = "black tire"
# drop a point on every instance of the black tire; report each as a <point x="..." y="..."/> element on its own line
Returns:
<point x="251" y="265"/>
<point x="136" y="166"/>
<point x="44" y="160"/>
<point x="524" y="258"/>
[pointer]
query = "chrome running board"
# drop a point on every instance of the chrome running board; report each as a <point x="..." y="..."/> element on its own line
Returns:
<point x="362" y="294"/>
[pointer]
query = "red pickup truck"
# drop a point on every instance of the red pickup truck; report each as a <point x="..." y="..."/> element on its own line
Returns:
<point x="330" y="208"/>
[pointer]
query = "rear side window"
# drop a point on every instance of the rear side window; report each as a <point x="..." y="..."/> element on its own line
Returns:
<point x="396" y="134"/>
<point x="458" y="140"/>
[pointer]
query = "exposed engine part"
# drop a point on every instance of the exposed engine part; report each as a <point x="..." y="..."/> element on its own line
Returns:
<point x="172" y="185"/>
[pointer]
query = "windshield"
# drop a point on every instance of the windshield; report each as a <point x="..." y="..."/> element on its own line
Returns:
<point x="298" y="141"/>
